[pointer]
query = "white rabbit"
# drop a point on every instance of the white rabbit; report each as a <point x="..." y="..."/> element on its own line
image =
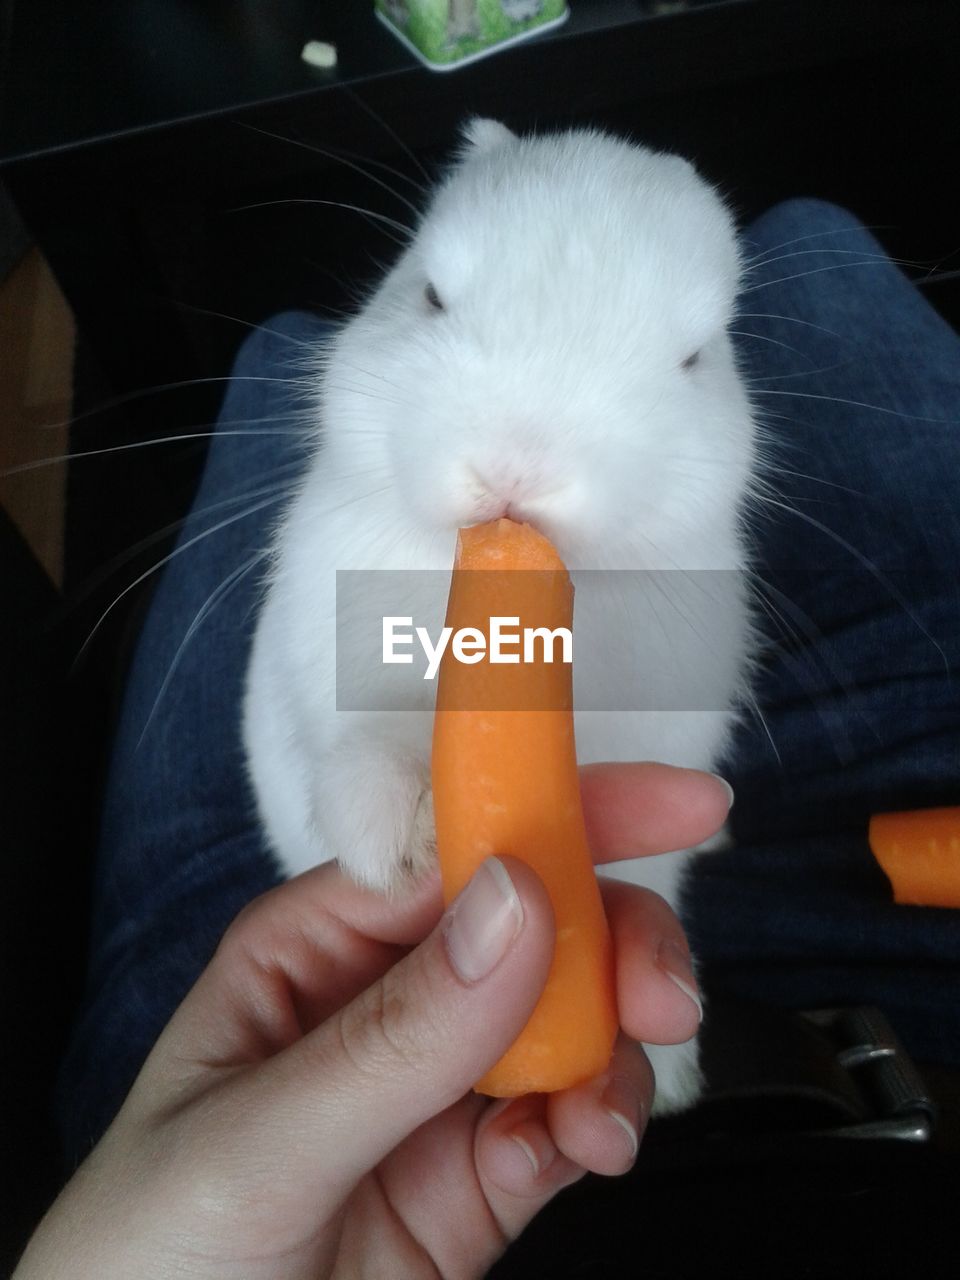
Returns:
<point x="552" y="345"/>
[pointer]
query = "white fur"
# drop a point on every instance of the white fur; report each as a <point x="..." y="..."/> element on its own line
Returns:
<point x="577" y="273"/>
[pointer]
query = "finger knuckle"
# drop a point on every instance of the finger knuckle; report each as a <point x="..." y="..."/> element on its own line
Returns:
<point x="379" y="1030"/>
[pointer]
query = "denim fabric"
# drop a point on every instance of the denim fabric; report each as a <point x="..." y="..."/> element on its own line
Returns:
<point x="857" y="382"/>
<point x="180" y="849"/>
<point x="858" y="390"/>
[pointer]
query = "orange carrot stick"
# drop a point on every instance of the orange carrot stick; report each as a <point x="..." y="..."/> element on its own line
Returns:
<point x="505" y="782"/>
<point x="920" y="852"/>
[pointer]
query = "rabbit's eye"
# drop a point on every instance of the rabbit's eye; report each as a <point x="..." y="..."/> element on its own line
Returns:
<point x="433" y="298"/>
<point x="691" y="361"/>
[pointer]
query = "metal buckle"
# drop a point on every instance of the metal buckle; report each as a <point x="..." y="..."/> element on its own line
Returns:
<point x="895" y="1098"/>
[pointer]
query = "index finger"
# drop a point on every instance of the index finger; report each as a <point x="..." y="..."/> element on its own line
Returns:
<point x="635" y="810"/>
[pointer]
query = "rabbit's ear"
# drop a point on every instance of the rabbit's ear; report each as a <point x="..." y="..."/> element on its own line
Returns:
<point x="481" y="134"/>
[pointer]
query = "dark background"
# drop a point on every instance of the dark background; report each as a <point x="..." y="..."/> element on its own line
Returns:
<point x="162" y="153"/>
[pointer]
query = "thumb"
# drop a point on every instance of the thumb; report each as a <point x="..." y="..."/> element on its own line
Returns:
<point x="415" y="1042"/>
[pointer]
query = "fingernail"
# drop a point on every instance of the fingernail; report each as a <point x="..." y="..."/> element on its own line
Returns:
<point x="727" y="788"/>
<point x="675" y="963"/>
<point x="533" y="1141"/>
<point x="483" y="921"/>
<point x="622" y="1105"/>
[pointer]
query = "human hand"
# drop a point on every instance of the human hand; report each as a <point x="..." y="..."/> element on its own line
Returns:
<point x="307" y="1111"/>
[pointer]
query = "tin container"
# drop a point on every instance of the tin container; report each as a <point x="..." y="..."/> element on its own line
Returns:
<point x="446" y="34"/>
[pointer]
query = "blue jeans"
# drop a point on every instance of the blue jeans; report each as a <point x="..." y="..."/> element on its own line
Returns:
<point x="857" y="382"/>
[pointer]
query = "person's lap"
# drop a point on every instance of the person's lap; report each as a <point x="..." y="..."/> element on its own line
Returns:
<point x="796" y="913"/>
<point x="857" y="548"/>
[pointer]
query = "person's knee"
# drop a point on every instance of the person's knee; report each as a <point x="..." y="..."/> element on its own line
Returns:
<point x="286" y="339"/>
<point x="271" y="371"/>
<point x="807" y="221"/>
